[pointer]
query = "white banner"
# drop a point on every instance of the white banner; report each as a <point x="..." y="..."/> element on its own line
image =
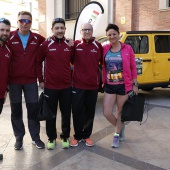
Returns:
<point x="91" y="13"/>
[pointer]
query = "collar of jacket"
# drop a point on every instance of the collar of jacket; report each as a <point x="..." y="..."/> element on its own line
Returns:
<point x="90" y="41"/>
<point x="16" y="32"/>
<point x="58" y="39"/>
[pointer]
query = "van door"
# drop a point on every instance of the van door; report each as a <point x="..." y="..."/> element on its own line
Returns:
<point x="161" y="58"/>
<point x="142" y="49"/>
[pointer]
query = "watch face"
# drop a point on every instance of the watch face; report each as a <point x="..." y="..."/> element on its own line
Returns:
<point x="136" y="84"/>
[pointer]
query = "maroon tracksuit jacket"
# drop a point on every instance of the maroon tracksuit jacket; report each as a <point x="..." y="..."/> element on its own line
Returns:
<point x="23" y="64"/>
<point x="5" y="58"/>
<point x="57" y="56"/>
<point x="86" y="61"/>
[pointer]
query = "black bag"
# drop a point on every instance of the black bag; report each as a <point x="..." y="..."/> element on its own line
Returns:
<point x="133" y="108"/>
<point x="43" y="110"/>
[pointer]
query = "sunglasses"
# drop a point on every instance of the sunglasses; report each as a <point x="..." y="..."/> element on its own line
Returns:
<point x="22" y="21"/>
<point x="86" y="30"/>
<point x="3" y="19"/>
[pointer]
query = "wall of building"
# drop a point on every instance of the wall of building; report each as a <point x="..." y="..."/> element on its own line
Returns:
<point x="42" y="17"/>
<point x="123" y="14"/>
<point x="141" y="15"/>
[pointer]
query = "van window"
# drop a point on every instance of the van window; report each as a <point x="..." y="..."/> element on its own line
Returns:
<point x="104" y="40"/>
<point x="162" y="43"/>
<point x="138" y="43"/>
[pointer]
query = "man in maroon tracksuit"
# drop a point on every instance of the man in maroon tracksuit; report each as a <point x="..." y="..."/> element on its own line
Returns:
<point x="88" y="54"/>
<point x="5" y="58"/>
<point x="23" y="78"/>
<point x="57" y="56"/>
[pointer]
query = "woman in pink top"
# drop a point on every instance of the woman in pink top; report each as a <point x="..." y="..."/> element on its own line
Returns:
<point x="119" y="78"/>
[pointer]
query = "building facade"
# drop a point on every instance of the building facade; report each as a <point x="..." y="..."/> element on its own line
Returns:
<point x="10" y="9"/>
<point x="142" y="14"/>
<point x="50" y="9"/>
<point x="127" y="14"/>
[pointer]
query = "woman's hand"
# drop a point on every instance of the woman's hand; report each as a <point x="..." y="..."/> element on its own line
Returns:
<point x="135" y="89"/>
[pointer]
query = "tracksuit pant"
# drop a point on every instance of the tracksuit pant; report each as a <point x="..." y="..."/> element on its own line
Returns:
<point x="1" y="104"/>
<point x="63" y="97"/>
<point x="83" y="109"/>
<point x="30" y="92"/>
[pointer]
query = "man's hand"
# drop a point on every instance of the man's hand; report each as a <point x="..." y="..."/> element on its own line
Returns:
<point x="41" y="85"/>
<point x="48" y="39"/>
<point x="70" y="42"/>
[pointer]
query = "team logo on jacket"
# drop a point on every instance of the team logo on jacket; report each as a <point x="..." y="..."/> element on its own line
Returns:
<point x="93" y="51"/>
<point x="33" y="42"/>
<point x="6" y="55"/>
<point x="66" y="49"/>
<point x="53" y="49"/>
<point x="79" y="49"/>
<point x="15" y="42"/>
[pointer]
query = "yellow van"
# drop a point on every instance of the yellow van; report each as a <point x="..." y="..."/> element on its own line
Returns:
<point x="152" y="53"/>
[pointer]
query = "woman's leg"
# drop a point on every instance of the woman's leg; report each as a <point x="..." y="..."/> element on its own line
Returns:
<point x="108" y="105"/>
<point x="121" y="99"/>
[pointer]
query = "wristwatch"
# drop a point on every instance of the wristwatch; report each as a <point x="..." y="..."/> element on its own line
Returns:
<point x="136" y="84"/>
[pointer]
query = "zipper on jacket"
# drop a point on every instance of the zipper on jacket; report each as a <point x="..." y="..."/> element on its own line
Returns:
<point x="1" y="52"/>
<point x="28" y="42"/>
<point x="60" y="52"/>
<point x="59" y="41"/>
<point x="86" y="55"/>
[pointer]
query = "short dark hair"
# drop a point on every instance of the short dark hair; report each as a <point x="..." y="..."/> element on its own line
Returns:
<point x="5" y="21"/>
<point x="112" y="26"/>
<point x="25" y="13"/>
<point x="58" y="20"/>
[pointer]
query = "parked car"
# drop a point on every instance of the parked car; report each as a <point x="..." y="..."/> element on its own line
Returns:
<point x="152" y="53"/>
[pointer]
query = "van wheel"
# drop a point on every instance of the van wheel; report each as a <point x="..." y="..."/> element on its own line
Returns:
<point x="147" y="88"/>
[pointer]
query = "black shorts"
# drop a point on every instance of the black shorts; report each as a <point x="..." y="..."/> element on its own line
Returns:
<point x="115" y="89"/>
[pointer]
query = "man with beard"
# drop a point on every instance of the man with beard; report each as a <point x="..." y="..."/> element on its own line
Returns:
<point x="57" y="55"/>
<point x="5" y="58"/>
<point x="24" y="44"/>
